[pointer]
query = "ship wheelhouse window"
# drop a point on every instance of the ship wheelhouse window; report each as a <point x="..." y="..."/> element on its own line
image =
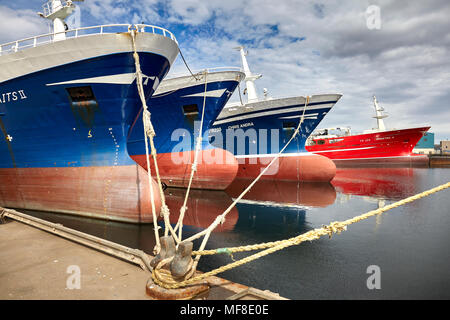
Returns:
<point x="335" y="140"/>
<point x="320" y="141"/>
<point x="190" y="109"/>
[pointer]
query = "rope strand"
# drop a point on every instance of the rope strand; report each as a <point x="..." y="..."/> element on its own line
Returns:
<point x="194" y="165"/>
<point x="333" y="227"/>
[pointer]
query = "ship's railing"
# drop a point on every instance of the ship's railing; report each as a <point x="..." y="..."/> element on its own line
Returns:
<point x="48" y="7"/>
<point x="209" y="70"/>
<point x="15" y="46"/>
<point x="156" y="30"/>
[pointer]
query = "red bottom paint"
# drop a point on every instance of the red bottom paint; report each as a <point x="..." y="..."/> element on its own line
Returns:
<point x="413" y="160"/>
<point x="289" y="167"/>
<point x="118" y="193"/>
<point x="216" y="168"/>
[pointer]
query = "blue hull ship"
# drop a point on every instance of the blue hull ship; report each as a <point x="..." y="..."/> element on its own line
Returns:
<point x="67" y="103"/>
<point x="265" y="127"/>
<point x="178" y="105"/>
<point x="255" y="132"/>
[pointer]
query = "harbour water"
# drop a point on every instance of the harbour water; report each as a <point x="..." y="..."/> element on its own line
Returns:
<point x="407" y="245"/>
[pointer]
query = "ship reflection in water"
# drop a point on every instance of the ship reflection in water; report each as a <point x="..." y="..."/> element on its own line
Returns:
<point x="377" y="183"/>
<point x="277" y="210"/>
<point x="271" y="210"/>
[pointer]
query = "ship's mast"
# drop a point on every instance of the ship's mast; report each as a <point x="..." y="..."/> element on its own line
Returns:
<point x="56" y="11"/>
<point x="249" y="77"/>
<point x="379" y="115"/>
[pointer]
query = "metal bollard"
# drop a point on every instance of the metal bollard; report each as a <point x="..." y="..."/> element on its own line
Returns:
<point x="181" y="263"/>
<point x="167" y="250"/>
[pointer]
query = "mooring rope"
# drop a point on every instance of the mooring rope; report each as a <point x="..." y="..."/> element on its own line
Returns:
<point x="334" y="227"/>
<point x="221" y="218"/>
<point x="149" y="132"/>
<point x="144" y="106"/>
<point x="163" y="277"/>
<point x="194" y="164"/>
<point x="185" y="63"/>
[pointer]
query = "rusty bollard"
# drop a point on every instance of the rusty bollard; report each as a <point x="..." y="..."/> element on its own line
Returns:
<point x="181" y="263"/>
<point x="167" y="250"/>
<point x="179" y="267"/>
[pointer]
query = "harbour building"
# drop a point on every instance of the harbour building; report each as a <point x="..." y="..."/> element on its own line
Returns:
<point x="425" y="144"/>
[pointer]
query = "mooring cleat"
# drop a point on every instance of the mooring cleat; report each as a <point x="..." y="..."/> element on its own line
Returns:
<point x="167" y="250"/>
<point x="182" y="261"/>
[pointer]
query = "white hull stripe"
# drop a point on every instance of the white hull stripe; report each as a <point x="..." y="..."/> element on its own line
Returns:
<point x="391" y="157"/>
<point x="270" y="113"/>
<point x="309" y="116"/>
<point x="299" y="154"/>
<point x="212" y="93"/>
<point x="124" y="78"/>
<point x="339" y="150"/>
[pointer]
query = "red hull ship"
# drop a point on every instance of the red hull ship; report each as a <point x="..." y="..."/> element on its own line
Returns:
<point x="376" y="146"/>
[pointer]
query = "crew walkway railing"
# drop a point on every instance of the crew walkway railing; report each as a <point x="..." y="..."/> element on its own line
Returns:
<point x="15" y="46"/>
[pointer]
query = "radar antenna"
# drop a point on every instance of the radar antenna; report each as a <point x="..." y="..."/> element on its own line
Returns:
<point x="380" y="115"/>
<point x="249" y="77"/>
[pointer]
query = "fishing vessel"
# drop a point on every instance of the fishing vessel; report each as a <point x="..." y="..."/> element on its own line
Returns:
<point x="256" y="131"/>
<point x="375" y="146"/>
<point x="186" y="107"/>
<point x="68" y="99"/>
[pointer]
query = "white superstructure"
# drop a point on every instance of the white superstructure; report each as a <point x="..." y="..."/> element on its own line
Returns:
<point x="250" y="78"/>
<point x="57" y="11"/>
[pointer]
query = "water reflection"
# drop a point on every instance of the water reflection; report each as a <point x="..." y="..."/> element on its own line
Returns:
<point x="284" y="193"/>
<point x="377" y="183"/>
<point x="271" y="210"/>
<point x="411" y="242"/>
<point x="270" y="207"/>
<point x="203" y="207"/>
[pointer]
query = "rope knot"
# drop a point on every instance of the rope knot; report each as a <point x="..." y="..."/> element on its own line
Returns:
<point x="164" y="210"/>
<point x="334" y="227"/>
<point x="183" y="210"/>
<point x="148" y="127"/>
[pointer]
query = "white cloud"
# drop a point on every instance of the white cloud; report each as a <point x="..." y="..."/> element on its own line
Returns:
<point x="405" y="63"/>
<point x="16" y="25"/>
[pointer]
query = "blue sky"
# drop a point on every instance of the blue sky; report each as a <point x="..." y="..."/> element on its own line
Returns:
<point x="301" y="48"/>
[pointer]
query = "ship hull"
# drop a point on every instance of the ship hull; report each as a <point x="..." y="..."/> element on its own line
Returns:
<point x="288" y="167"/>
<point x="255" y="133"/>
<point x="387" y="147"/>
<point x="216" y="168"/>
<point x="119" y="193"/>
<point x="178" y="106"/>
<point x="63" y="134"/>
